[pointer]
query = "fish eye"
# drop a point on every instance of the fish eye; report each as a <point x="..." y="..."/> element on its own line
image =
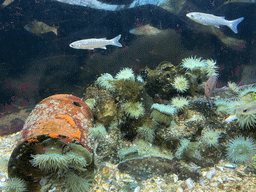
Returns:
<point x="192" y="16"/>
<point x="245" y="110"/>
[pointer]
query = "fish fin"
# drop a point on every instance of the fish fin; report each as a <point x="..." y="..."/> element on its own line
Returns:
<point x="103" y="47"/>
<point x="217" y="26"/>
<point x="115" y="41"/>
<point x="132" y="31"/>
<point x="233" y="24"/>
<point x="55" y="30"/>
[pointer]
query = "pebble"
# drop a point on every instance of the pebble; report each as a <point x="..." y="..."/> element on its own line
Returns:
<point x="231" y="166"/>
<point x="189" y="183"/>
<point x="211" y="173"/>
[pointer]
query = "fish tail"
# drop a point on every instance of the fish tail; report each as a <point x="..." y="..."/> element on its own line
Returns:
<point x="55" y="30"/>
<point x="115" y="41"/>
<point x="233" y="24"/>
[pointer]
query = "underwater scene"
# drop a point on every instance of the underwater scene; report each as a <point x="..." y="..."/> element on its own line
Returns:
<point x="127" y="95"/>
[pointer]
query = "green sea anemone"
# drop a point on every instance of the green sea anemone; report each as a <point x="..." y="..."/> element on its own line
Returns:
<point x="15" y="185"/>
<point x="162" y="113"/>
<point x="210" y="137"/>
<point x="99" y="131"/>
<point x="241" y="149"/>
<point x="147" y="133"/>
<point x="246" y="121"/>
<point x="106" y="81"/>
<point x="234" y="87"/>
<point x="133" y="110"/>
<point x="180" y="103"/>
<point x="79" y="151"/>
<point x="246" y="115"/>
<point x="75" y="183"/>
<point x="52" y="159"/>
<point x="211" y="68"/>
<point x="49" y="162"/>
<point x="181" y="84"/>
<point x="247" y="91"/>
<point x="191" y="63"/>
<point x="126" y="73"/>
<point x="75" y="161"/>
<point x="183" y="145"/>
<point x="167" y="109"/>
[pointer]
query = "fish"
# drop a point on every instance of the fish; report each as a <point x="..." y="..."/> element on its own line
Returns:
<point x="146" y="30"/>
<point x="246" y="109"/>
<point x="173" y="6"/>
<point x="6" y="3"/>
<point x="95" y="43"/>
<point x="212" y="20"/>
<point x="230" y="119"/>
<point x="39" y="28"/>
<point x="209" y="87"/>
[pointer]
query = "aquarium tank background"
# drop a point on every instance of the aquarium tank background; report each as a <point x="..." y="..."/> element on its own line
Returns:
<point x="127" y="95"/>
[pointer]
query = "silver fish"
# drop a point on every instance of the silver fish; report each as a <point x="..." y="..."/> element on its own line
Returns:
<point x="95" y="43"/>
<point x="212" y="20"/>
<point x="248" y="108"/>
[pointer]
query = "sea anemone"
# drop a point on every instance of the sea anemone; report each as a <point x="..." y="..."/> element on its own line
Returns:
<point x="247" y="91"/>
<point x="128" y="152"/>
<point x="191" y="63"/>
<point x="181" y="84"/>
<point x="99" y="131"/>
<point x="241" y="149"/>
<point x="167" y="109"/>
<point x="162" y="113"/>
<point x="49" y="162"/>
<point x="76" y="183"/>
<point x="15" y="185"/>
<point x="76" y="161"/>
<point x="147" y="133"/>
<point x="106" y="81"/>
<point x="222" y="104"/>
<point x="180" y="103"/>
<point x="246" y="121"/>
<point x="134" y="110"/>
<point x="140" y="79"/>
<point x="234" y="87"/>
<point x="79" y="151"/>
<point x="126" y="73"/>
<point x="184" y="144"/>
<point x="210" y="137"/>
<point x="211" y="68"/>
